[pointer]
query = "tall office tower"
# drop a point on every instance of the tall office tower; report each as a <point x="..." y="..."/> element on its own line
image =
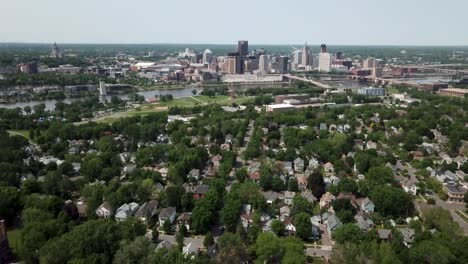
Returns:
<point x="264" y="64"/>
<point x="369" y="63"/>
<point x="213" y="66"/>
<point x="297" y="55"/>
<point x="325" y="61"/>
<point x="207" y="56"/>
<point x="323" y="48"/>
<point x="243" y="48"/>
<point x="254" y="61"/>
<point x="306" y="56"/>
<point x="282" y="64"/>
<point x="56" y="53"/>
<point x="339" y="55"/>
<point x="234" y="63"/>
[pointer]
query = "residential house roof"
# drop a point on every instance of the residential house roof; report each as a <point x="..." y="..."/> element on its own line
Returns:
<point x="166" y="213"/>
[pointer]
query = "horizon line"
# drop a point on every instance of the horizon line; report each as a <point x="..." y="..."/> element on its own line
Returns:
<point x="234" y="44"/>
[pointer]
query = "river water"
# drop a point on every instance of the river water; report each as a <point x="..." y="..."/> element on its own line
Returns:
<point x="50" y="104"/>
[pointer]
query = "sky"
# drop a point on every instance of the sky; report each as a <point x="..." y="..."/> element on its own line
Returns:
<point x="335" y="22"/>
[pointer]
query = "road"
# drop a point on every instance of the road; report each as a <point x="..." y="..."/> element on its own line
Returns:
<point x="316" y="83"/>
<point x="451" y="207"/>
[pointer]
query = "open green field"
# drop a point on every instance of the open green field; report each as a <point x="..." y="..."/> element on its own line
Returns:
<point x="14" y="239"/>
<point x="23" y="133"/>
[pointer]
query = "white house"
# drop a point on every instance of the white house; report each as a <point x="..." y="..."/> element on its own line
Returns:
<point x="104" y="210"/>
<point x="125" y="211"/>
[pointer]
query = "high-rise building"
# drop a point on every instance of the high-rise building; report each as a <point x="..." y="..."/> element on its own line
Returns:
<point x="323" y="48"/>
<point x="339" y="55"/>
<point x="234" y="63"/>
<point x="306" y="56"/>
<point x="297" y="56"/>
<point x="243" y="48"/>
<point x="102" y="88"/>
<point x="207" y="56"/>
<point x="29" y="68"/>
<point x="282" y="64"/>
<point x="369" y="63"/>
<point x="56" y="53"/>
<point x="325" y="61"/>
<point x="264" y="64"/>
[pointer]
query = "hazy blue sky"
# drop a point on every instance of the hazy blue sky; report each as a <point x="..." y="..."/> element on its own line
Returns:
<point x="367" y="22"/>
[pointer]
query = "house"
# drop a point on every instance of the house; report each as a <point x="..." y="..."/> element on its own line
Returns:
<point x="191" y="249"/>
<point x="332" y="180"/>
<point x="216" y="160"/>
<point x="288" y="167"/>
<point x="363" y="222"/>
<point x="455" y="193"/>
<point x="104" y="210"/>
<point x="313" y="163"/>
<point x="289" y="227"/>
<point x="194" y="173"/>
<point x="329" y="168"/>
<point x="125" y="211"/>
<point x="200" y="191"/>
<point x="254" y="176"/>
<point x="184" y="219"/>
<point x="168" y="213"/>
<point x="82" y="207"/>
<point x="371" y="145"/>
<point x="316" y="220"/>
<point x="309" y="196"/>
<point x="165" y="244"/>
<point x="408" y="236"/>
<point x="285" y="212"/>
<point x="163" y="171"/>
<point x="288" y="197"/>
<point x="359" y="144"/>
<point x="385" y="234"/>
<point x="367" y="205"/>
<point x="270" y="196"/>
<point x="299" y="165"/>
<point x="147" y="211"/>
<point x="302" y="183"/>
<point x="246" y="220"/>
<point x="332" y="223"/>
<point x="326" y="200"/>
<point x="409" y="186"/>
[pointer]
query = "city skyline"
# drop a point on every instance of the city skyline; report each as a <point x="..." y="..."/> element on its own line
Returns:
<point x="398" y="23"/>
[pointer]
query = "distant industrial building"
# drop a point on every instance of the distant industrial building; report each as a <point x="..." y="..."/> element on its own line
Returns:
<point x="29" y="68"/>
<point x="279" y="99"/>
<point x="430" y="87"/>
<point x="456" y="92"/>
<point x="279" y="107"/>
<point x="370" y="91"/>
<point x="56" y="53"/>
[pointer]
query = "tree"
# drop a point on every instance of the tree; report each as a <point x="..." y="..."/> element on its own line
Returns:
<point x="431" y="252"/>
<point x="293" y="185"/>
<point x="391" y="201"/>
<point x="202" y="216"/>
<point x="303" y="225"/>
<point x="277" y="227"/>
<point x="241" y="174"/>
<point x="301" y="205"/>
<point x="231" y="249"/>
<point x="194" y="92"/>
<point x="231" y="211"/>
<point x="209" y="240"/>
<point x="268" y="249"/>
<point x="347" y="185"/>
<point x="10" y="203"/>
<point x="348" y="233"/>
<point x="380" y="175"/>
<point x="167" y="226"/>
<point x="316" y="184"/>
<point x="137" y="251"/>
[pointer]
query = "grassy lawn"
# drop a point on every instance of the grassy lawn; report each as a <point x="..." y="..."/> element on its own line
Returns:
<point x="463" y="216"/>
<point x="14" y="238"/>
<point x="23" y="133"/>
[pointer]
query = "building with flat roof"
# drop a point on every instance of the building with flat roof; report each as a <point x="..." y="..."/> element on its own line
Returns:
<point x="279" y="107"/>
<point x="370" y="91"/>
<point x="454" y="193"/>
<point x="279" y="99"/>
<point x="456" y="92"/>
<point x="243" y="47"/>
<point x="325" y="62"/>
